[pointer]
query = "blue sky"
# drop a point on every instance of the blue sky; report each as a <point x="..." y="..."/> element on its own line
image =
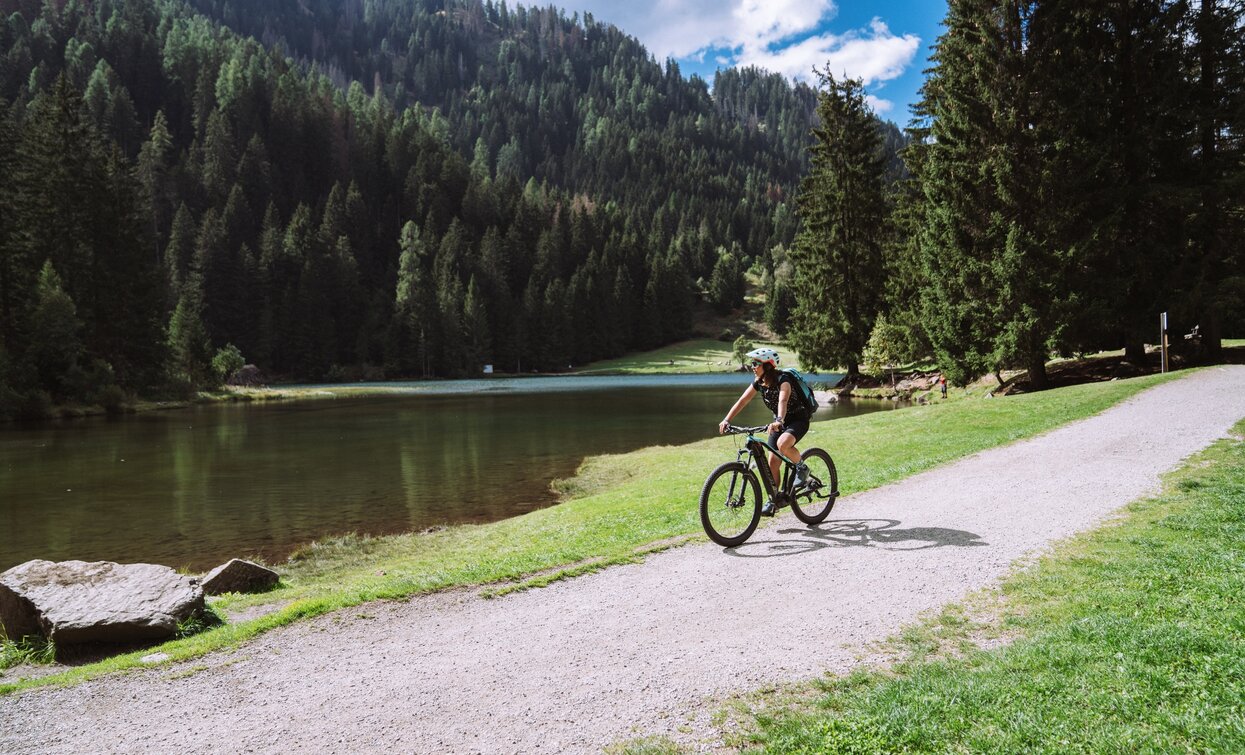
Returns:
<point x="886" y="44"/>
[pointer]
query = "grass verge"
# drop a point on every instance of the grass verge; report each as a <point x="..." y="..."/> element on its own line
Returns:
<point x="615" y="508"/>
<point x="695" y="356"/>
<point x="1130" y="639"/>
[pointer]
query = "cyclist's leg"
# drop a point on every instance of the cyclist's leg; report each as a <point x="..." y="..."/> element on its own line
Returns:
<point x="786" y="444"/>
<point x="794" y="431"/>
<point x="775" y="465"/>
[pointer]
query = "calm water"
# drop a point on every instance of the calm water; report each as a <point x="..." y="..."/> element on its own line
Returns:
<point x="194" y="487"/>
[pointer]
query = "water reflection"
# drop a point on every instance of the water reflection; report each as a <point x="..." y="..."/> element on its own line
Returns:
<point x="193" y="487"/>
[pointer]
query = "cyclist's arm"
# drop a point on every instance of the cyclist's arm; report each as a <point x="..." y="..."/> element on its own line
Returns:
<point x="737" y="408"/>
<point x="784" y="394"/>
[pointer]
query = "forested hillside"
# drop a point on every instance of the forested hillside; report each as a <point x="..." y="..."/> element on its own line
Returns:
<point x="375" y="188"/>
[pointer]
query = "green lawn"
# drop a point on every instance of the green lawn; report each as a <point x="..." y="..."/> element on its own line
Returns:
<point x="614" y="509"/>
<point x="703" y="355"/>
<point x="1129" y="639"/>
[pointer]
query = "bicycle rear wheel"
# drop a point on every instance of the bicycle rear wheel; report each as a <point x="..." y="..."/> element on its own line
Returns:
<point x="812" y="503"/>
<point x="730" y="504"/>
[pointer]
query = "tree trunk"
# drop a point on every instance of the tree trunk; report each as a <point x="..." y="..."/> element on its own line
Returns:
<point x="1212" y="338"/>
<point x="1135" y="352"/>
<point x="1037" y="374"/>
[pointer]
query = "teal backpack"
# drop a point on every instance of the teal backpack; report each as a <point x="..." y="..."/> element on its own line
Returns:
<point x="803" y="389"/>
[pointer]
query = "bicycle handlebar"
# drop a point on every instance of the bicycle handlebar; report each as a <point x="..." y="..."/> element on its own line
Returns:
<point x="736" y="430"/>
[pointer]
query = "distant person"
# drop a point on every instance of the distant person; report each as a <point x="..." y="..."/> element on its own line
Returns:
<point x="791" y="418"/>
<point x="942" y="384"/>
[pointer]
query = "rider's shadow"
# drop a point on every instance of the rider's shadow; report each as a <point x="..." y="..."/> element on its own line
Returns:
<point x="860" y="533"/>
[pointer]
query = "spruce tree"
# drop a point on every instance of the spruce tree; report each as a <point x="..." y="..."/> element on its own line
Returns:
<point x="838" y="255"/>
<point x="190" y="351"/>
<point x="1113" y="118"/>
<point x="1213" y="295"/>
<point x="56" y="335"/>
<point x="996" y="276"/>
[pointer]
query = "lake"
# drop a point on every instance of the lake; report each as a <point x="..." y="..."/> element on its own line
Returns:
<point x="193" y="487"/>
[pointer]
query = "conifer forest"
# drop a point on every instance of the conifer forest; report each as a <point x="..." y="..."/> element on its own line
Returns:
<point x="346" y="189"/>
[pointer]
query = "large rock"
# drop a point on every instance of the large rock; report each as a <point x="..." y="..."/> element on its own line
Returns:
<point x="75" y="601"/>
<point x="248" y="376"/>
<point x="239" y="576"/>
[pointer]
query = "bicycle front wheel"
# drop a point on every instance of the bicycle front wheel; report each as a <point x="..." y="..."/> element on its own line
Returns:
<point x="730" y="504"/>
<point x="811" y="504"/>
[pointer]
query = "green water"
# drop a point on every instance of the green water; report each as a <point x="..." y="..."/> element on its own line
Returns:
<point x="194" y="487"/>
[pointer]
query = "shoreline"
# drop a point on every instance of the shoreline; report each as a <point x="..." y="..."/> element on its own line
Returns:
<point x="611" y="510"/>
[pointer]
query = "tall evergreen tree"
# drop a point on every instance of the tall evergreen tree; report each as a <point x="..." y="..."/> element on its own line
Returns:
<point x="15" y="274"/>
<point x="1113" y="119"/>
<point x="838" y="256"/>
<point x="997" y="278"/>
<point x="55" y="349"/>
<point x="408" y="345"/>
<point x="1214" y="269"/>
<point x="154" y="165"/>
<point x="190" y="351"/>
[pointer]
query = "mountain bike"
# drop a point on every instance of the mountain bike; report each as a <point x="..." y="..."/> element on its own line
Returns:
<point x="730" y="503"/>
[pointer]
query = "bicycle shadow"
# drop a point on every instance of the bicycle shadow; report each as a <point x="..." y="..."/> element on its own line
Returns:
<point x="857" y="533"/>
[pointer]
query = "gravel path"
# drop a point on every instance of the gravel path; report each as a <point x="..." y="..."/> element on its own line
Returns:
<point x="634" y="649"/>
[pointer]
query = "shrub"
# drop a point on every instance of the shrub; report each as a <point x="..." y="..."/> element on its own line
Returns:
<point x="226" y="362"/>
<point x="112" y="398"/>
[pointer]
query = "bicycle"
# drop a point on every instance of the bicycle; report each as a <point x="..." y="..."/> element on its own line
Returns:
<point x="730" y="503"/>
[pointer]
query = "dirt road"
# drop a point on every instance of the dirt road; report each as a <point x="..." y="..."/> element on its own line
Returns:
<point x="633" y="650"/>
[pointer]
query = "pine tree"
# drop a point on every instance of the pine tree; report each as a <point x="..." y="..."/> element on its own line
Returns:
<point x="726" y="285"/>
<point x="153" y="175"/>
<point x="15" y="263"/>
<point x="479" y="340"/>
<point x="60" y="180"/>
<point x="190" y="351"/>
<point x="179" y="253"/>
<point x="56" y="335"/>
<point x="1214" y="269"/>
<point x="838" y="256"/>
<point x="407" y="344"/>
<point x="1112" y="118"/>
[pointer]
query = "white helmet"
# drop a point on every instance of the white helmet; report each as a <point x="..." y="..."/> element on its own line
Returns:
<point x="764" y="355"/>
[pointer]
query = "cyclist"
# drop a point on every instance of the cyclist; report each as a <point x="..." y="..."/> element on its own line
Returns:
<point x="791" y="418"/>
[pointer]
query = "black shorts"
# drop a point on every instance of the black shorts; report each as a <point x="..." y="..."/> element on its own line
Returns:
<point x="797" y="427"/>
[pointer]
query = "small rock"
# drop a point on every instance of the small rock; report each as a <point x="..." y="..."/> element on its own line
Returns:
<point x="237" y="575"/>
<point x="155" y="658"/>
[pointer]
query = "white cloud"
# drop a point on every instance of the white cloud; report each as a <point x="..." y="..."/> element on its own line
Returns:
<point x="874" y="56"/>
<point x="682" y="28"/>
<point x="879" y="106"/>
<point x="778" y="35"/>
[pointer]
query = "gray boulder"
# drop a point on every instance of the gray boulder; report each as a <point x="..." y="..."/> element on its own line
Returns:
<point x="239" y="576"/>
<point x="248" y="376"/>
<point x="72" y="602"/>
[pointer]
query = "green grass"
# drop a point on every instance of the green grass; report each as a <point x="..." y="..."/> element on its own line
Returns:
<point x="615" y="507"/>
<point x="1131" y="638"/>
<point x="28" y="650"/>
<point x="703" y="355"/>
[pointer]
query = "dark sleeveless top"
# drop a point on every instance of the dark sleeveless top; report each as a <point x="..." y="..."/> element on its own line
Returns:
<point x="769" y="394"/>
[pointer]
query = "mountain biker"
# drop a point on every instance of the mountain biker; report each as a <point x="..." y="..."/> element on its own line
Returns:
<point x="791" y="418"/>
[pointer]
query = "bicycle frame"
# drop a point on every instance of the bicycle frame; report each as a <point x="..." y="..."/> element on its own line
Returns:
<point x="756" y="448"/>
